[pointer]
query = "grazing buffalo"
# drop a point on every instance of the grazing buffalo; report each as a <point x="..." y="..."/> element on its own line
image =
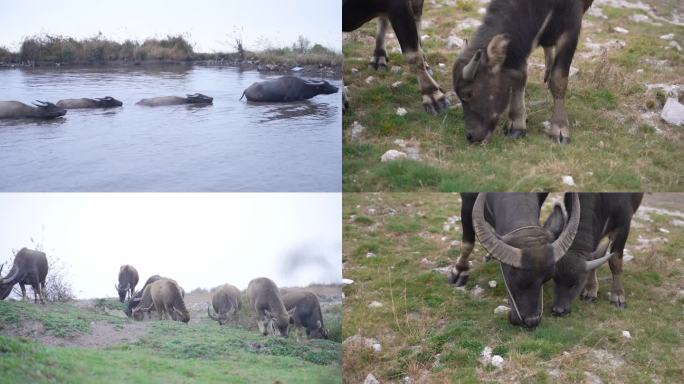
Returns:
<point x="507" y="225"/>
<point x="137" y="296"/>
<point x="265" y="300"/>
<point x="30" y="267"/>
<point x="197" y="98"/>
<point x="491" y="71"/>
<point x="103" y="102"/>
<point x="404" y="19"/>
<point x="166" y="297"/>
<point x="128" y="279"/>
<point x="226" y="301"/>
<point x="601" y="215"/>
<point x="287" y="88"/>
<point x="42" y="110"/>
<point x="307" y="314"/>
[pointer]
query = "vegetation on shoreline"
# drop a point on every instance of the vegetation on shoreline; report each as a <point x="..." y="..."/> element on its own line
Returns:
<point x="100" y="50"/>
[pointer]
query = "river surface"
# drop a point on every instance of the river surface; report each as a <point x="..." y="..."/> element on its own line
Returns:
<point x="231" y="145"/>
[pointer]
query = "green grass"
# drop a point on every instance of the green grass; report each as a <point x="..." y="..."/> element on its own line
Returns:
<point x="197" y="352"/>
<point x="613" y="147"/>
<point x="423" y="316"/>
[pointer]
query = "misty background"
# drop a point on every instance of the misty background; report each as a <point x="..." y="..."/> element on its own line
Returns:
<point x="201" y="240"/>
<point x="211" y="25"/>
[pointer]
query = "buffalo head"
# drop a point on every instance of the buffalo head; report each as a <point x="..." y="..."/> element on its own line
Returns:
<point x="325" y="88"/>
<point x="49" y="110"/>
<point x="484" y="87"/>
<point x="527" y="256"/>
<point x="108" y="102"/>
<point x="318" y="332"/>
<point x="122" y="291"/>
<point x="199" y="98"/>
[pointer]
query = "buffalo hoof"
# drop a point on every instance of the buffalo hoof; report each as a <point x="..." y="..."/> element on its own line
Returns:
<point x="459" y="278"/>
<point x="588" y="298"/>
<point x="379" y="62"/>
<point x="559" y="312"/>
<point x="435" y="103"/>
<point x="618" y="301"/>
<point x="516" y="134"/>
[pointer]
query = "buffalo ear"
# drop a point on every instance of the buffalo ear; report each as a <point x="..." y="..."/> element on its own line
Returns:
<point x="496" y="50"/>
<point x="556" y="221"/>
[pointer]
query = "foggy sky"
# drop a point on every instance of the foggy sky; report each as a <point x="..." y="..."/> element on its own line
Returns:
<point x="211" y="24"/>
<point x="201" y="240"/>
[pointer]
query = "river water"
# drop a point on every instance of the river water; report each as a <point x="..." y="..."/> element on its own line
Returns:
<point x="231" y="145"/>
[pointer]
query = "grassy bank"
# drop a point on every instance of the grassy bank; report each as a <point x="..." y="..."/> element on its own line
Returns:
<point x="432" y="332"/>
<point x="51" y="49"/>
<point x="618" y="141"/>
<point x="94" y="342"/>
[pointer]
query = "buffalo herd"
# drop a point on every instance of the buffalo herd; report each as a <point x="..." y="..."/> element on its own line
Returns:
<point x="490" y="73"/>
<point x="283" y="89"/>
<point x="580" y="235"/>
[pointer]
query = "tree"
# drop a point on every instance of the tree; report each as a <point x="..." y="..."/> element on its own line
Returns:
<point x="301" y="45"/>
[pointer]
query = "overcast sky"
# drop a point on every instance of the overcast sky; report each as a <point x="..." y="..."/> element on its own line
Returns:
<point x="201" y="240"/>
<point x="211" y="24"/>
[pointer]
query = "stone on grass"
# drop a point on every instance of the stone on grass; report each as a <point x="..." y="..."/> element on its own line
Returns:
<point x="620" y="30"/>
<point x="370" y="254"/>
<point x="497" y="361"/>
<point x="356" y="130"/>
<point x="375" y="304"/>
<point x="454" y="41"/>
<point x="396" y="84"/>
<point x="370" y="379"/>
<point x="477" y="291"/>
<point x="675" y="45"/>
<point x="639" y="18"/>
<point x="669" y="36"/>
<point x="392" y="155"/>
<point x="347" y="281"/>
<point x="501" y="309"/>
<point x="568" y="180"/>
<point x="396" y="69"/>
<point x="492" y="283"/>
<point x="369" y="79"/>
<point x="626" y="335"/>
<point x="673" y="112"/>
<point x="401" y="111"/>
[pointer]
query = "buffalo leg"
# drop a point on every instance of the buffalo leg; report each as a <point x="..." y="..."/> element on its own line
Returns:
<point x="548" y="61"/>
<point x="517" y="115"/>
<point x="617" y="291"/>
<point x="434" y="99"/>
<point x="558" y="84"/>
<point x="379" y="59"/>
<point x="590" y="292"/>
<point x="23" y="291"/>
<point x="461" y="270"/>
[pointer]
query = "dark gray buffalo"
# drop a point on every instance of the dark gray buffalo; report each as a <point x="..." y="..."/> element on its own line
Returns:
<point x="196" y="99"/>
<point x="307" y="314"/>
<point x="602" y="215"/>
<point x="264" y="298"/>
<point x="404" y="15"/>
<point x="226" y="302"/>
<point x="508" y="226"/>
<point x="128" y="279"/>
<point x="100" y="102"/>
<point x="491" y="71"/>
<point x="30" y="267"/>
<point x="18" y="110"/>
<point x="287" y="88"/>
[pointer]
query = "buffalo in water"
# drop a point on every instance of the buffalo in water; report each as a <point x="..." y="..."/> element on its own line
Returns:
<point x="128" y="279"/>
<point x="30" y="267"/>
<point x="287" y="88"/>
<point x="195" y="99"/>
<point x="18" y="110"/>
<point x="226" y="302"/>
<point x="100" y="102"/>
<point x="265" y="300"/>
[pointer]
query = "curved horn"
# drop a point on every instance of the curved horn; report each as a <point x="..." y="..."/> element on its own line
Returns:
<point x="488" y="238"/>
<point x="209" y="313"/>
<point x="116" y="286"/>
<point x="470" y="69"/>
<point x="10" y="276"/>
<point x="563" y="242"/>
<point x="597" y="258"/>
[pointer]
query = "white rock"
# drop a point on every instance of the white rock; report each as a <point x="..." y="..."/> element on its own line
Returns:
<point x="669" y="36"/>
<point x="486" y="352"/>
<point x="546" y="124"/>
<point x="481" y="11"/>
<point x="477" y="291"/>
<point x="347" y="281"/>
<point x="356" y="130"/>
<point x="370" y="254"/>
<point x="620" y="30"/>
<point x="673" y="112"/>
<point x="501" y="309"/>
<point x="468" y="23"/>
<point x="640" y="70"/>
<point x="375" y="304"/>
<point x="395" y="69"/>
<point x="446" y="227"/>
<point x="370" y="379"/>
<point x="497" y="361"/>
<point x="297" y="69"/>
<point x="626" y="335"/>
<point x="677" y="223"/>
<point x="492" y="283"/>
<point x="639" y="18"/>
<point x="454" y="41"/>
<point x="441" y="65"/>
<point x="407" y="380"/>
<point x="392" y="155"/>
<point x="396" y="84"/>
<point x="401" y="111"/>
<point x="675" y="45"/>
<point x="354" y="70"/>
<point x="591" y="378"/>
<point x="369" y="79"/>
<point x="663" y="230"/>
<point x="568" y="180"/>
<point x="573" y="71"/>
<point x="425" y="37"/>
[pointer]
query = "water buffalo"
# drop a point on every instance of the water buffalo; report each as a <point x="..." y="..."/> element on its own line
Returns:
<point x="104" y="102"/>
<point x="527" y="251"/>
<point x="601" y="215"/>
<point x="144" y="305"/>
<point x="166" y="297"/>
<point x="401" y="15"/>
<point x="265" y="300"/>
<point x="379" y="59"/>
<point x="30" y="267"/>
<point x="491" y="71"/>
<point x="226" y="301"/>
<point x="128" y="279"/>
<point x="307" y="313"/>
<point x="137" y="296"/>
<point x="287" y="88"/>
<point x="197" y="98"/>
<point x="17" y="110"/>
